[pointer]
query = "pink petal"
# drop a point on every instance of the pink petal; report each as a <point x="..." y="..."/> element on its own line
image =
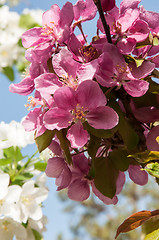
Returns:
<point x="64" y="64"/>
<point x="77" y="136"/>
<point x="126" y="45"/>
<point x="102" y="118"/>
<point x="64" y="179"/>
<point x="81" y="162"/>
<point x="54" y="167"/>
<point x="52" y="15"/>
<point x="55" y="148"/>
<point x="25" y="87"/>
<point x="136" y="88"/>
<point x="87" y="71"/>
<point x="139" y="30"/>
<point x="143" y="71"/>
<point x="89" y="95"/>
<point x="66" y="15"/>
<point x="47" y="83"/>
<point x="33" y="37"/>
<point x="151" y="142"/>
<point x="78" y="190"/>
<point x="137" y="175"/>
<point x="128" y="4"/>
<point x="57" y="118"/>
<point x="65" y="98"/>
<point x="120" y="182"/>
<point x="147" y="114"/>
<point x="30" y="121"/>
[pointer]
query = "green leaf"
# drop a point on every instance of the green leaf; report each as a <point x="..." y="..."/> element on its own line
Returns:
<point x="153" y="169"/>
<point x="150" y="225"/>
<point x="139" y="62"/>
<point x="105" y="176"/>
<point x="101" y="133"/>
<point x="125" y="129"/>
<point x="93" y="145"/>
<point x="41" y="166"/>
<point x="155" y="41"/>
<point x="44" y="140"/>
<point x="9" y="73"/>
<point x="64" y="143"/>
<point x="27" y="21"/>
<point x="13" y="153"/>
<point x="24" y="176"/>
<point x="37" y="235"/>
<point x="120" y="159"/>
<point x="147" y="41"/>
<point x="153" y="235"/>
<point x="5" y="161"/>
<point x="146" y="156"/>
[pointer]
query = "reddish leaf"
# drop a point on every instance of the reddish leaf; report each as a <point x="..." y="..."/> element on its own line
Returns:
<point x="135" y="220"/>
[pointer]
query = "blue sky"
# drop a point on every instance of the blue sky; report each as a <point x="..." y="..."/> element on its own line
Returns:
<point x="12" y="108"/>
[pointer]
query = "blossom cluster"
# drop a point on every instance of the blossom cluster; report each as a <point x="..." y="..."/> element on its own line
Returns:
<point x="92" y="104"/>
<point x="21" y="197"/>
<point x="11" y="29"/>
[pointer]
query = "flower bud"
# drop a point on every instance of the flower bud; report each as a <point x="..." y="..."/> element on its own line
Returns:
<point x="107" y="5"/>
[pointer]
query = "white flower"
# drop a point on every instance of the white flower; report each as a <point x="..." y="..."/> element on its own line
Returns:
<point x="13" y="134"/>
<point x="8" y="205"/>
<point x="30" y="200"/>
<point x="10" y="228"/>
<point x="4" y="182"/>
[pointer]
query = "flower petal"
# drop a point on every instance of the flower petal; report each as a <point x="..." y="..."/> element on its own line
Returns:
<point x="77" y="135"/>
<point x="137" y="175"/>
<point x="89" y="95"/>
<point x="54" y="167"/>
<point x="103" y="118"/>
<point x="78" y="190"/>
<point x="57" y="118"/>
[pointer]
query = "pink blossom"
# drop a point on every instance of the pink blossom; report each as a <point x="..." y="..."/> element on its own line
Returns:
<point x="81" y="181"/>
<point x="87" y="103"/>
<point x="115" y="72"/>
<point x="84" y="10"/>
<point x="56" y="27"/>
<point x="71" y="72"/>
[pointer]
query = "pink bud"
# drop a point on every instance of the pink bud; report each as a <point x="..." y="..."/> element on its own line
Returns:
<point x="107" y="5"/>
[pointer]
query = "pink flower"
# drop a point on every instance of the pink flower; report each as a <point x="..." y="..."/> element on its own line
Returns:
<point x="56" y="27"/>
<point x="113" y="71"/>
<point x="87" y="103"/>
<point x="79" y="189"/>
<point x="57" y="168"/>
<point x="84" y="11"/>
<point x="71" y="72"/>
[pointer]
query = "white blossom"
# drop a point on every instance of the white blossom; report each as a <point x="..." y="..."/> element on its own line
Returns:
<point x="13" y="134"/>
<point x="30" y="200"/>
<point x="10" y="228"/>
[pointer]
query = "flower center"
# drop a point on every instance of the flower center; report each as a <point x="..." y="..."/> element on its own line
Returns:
<point x="88" y="53"/>
<point x="79" y="114"/>
<point x="32" y="102"/>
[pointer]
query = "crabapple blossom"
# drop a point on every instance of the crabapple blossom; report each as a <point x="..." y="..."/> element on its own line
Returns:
<point x="91" y="101"/>
<point x="87" y="103"/>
